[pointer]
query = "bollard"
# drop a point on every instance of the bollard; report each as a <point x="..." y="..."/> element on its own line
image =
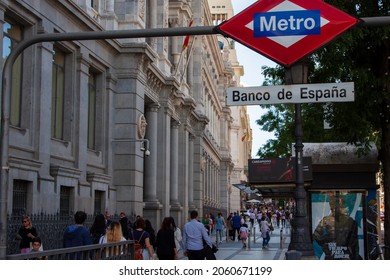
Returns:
<point x="227" y="235"/>
<point x="254" y="235"/>
<point x="249" y="239"/>
<point x="293" y="255"/>
<point x="281" y="238"/>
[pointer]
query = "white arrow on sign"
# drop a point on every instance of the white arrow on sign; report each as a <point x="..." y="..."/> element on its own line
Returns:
<point x="298" y="93"/>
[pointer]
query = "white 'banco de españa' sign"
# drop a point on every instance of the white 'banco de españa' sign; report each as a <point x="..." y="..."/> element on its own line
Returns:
<point x="297" y="93"/>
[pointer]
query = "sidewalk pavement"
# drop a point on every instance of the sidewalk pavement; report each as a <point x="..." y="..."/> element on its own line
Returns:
<point x="232" y="250"/>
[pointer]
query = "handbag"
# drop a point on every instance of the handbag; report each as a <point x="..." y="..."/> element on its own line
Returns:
<point x="271" y="227"/>
<point x="209" y="251"/>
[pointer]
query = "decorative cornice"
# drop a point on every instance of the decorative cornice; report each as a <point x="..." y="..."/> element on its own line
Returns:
<point x="56" y="171"/>
<point x="153" y="81"/>
<point x="98" y="177"/>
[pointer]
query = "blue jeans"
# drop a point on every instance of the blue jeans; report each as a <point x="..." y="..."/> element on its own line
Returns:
<point x="266" y="239"/>
<point x="220" y="234"/>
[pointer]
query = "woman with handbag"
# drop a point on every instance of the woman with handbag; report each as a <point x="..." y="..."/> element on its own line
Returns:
<point x="26" y="234"/>
<point x="142" y="237"/>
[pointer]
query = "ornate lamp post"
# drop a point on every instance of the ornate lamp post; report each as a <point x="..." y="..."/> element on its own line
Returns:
<point x="300" y="233"/>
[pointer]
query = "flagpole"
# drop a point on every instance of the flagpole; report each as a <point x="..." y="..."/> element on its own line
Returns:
<point x="179" y="62"/>
<point x="188" y="60"/>
<point x="184" y="47"/>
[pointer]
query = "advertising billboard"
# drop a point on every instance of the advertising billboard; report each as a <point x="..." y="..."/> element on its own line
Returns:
<point x="277" y="170"/>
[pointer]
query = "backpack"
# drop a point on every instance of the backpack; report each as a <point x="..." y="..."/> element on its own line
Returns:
<point x="243" y="235"/>
<point x="138" y="248"/>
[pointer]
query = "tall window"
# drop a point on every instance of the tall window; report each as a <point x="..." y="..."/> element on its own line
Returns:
<point x="95" y="4"/>
<point x="91" y="110"/>
<point x="58" y="88"/>
<point x="65" y="201"/>
<point x="19" y="197"/>
<point x="99" y="199"/>
<point x="13" y="34"/>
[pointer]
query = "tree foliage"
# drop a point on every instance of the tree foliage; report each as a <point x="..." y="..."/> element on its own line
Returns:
<point x="360" y="55"/>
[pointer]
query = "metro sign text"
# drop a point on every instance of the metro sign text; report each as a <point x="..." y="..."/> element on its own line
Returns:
<point x="286" y="30"/>
<point x="287" y="23"/>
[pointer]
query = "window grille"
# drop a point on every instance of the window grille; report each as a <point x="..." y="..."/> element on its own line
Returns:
<point x="99" y="199"/>
<point x="19" y="197"/>
<point x="65" y="201"/>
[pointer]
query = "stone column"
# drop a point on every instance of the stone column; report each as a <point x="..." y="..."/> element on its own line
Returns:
<point x="175" y="46"/>
<point x="82" y="128"/>
<point x="153" y="22"/>
<point x="191" y="205"/>
<point x="150" y="188"/>
<point x="109" y="6"/>
<point x="174" y="187"/>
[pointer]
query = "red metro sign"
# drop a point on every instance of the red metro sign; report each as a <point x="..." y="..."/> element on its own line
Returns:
<point x="286" y="30"/>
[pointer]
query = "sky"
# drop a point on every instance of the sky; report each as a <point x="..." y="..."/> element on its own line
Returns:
<point x="252" y="62"/>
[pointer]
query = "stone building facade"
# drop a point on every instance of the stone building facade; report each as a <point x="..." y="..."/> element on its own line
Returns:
<point x="84" y="115"/>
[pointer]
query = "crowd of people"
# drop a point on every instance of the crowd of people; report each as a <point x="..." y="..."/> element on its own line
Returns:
<point x="169" y="239"/>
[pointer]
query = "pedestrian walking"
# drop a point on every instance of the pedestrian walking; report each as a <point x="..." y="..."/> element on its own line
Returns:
<point x="194" y="233"/>
<point x="236" y="224"/>
<point x="152" y="233"/>
<point x="108" y="219"/>
<point x="113" y="234"/>
<point x="98" y="228"/>
<point x="141" y="236"/>
<point x="177" y="233"/>
<point x="165" y="241"/>
<point x="229" y="225"/>
<point x="206" y="223"/>
<point x="265" y="229"/>
<point x="219" y="226"/>
<point x="26" y="234"/>
<point x="212" y="222"/>
<point x="124" y="223"/>
<point x="252" y="217"/>
<point x="244" y="234"/>
<point x="77" y="234"/>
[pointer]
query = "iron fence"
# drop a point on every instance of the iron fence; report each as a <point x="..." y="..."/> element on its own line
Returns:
<point x="50" y="228"/>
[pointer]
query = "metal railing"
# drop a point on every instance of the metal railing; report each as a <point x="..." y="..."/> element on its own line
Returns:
<point x="50" y="228"/>
<point x="123" y="250"/>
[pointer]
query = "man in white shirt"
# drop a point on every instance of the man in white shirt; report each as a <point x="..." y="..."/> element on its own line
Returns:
<point x="194" y="233"/>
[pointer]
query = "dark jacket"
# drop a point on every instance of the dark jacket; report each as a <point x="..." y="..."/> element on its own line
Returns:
<point x="76" y="236"/>
<point x="25" y="241"/>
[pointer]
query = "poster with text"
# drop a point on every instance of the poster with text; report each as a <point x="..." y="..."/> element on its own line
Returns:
<point x="337" y="225"/>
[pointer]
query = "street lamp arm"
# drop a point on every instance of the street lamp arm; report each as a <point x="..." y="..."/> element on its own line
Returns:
<point x="375" y="21"/>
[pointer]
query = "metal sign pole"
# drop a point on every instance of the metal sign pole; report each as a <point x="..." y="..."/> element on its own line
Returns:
<point x="300" y="232"/>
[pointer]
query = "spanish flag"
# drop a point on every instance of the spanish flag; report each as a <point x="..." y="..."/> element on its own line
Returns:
<point x="187" y="38"/>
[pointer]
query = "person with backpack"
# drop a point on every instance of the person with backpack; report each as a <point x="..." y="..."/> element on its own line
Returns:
<point x="141" y="241"/>
<point x="244" y="234"/>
